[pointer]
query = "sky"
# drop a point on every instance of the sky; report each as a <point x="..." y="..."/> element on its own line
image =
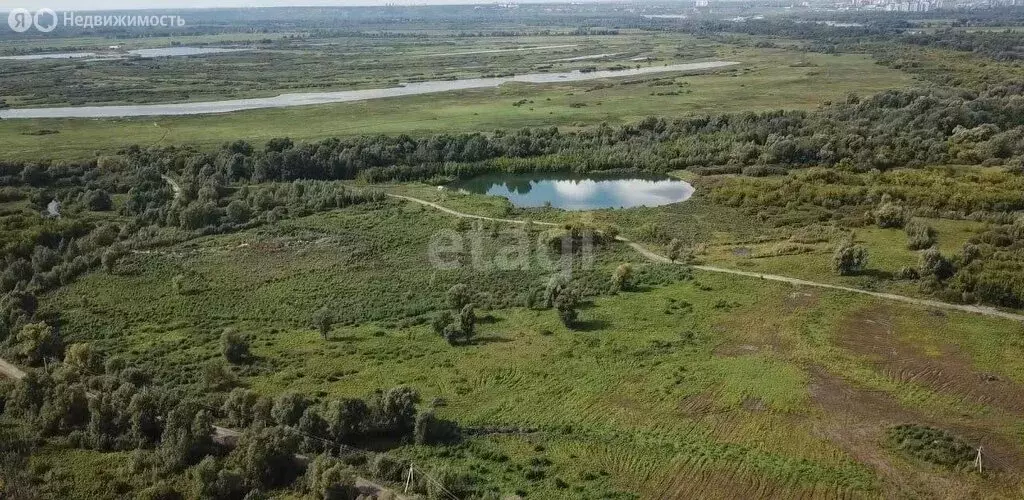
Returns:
<point x="79" y="5"/>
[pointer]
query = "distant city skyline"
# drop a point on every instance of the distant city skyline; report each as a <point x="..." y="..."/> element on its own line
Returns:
<point x="77" y="5"/>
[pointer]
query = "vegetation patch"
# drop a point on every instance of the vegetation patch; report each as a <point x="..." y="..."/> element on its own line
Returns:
<point x="931" y="445"/>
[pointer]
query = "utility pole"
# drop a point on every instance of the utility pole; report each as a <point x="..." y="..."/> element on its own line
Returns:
<point x="408" y="479"/>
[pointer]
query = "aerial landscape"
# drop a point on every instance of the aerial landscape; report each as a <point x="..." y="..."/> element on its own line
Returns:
<point x="589" y="250"/>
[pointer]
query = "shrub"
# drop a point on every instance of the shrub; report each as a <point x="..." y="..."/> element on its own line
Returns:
<point x="849" y="259"/>
<point x="467" y="321"/>
<point x="323" y="320"/>
<point x="238" y="212"/>
<point x="919" y="235"/>
<point x="234" y="346"/>
<point x="931" y="445"/>
<point x="458" y="296"/>
<point x="98" y="201"/>
<point x="934" y="265"/>
<point x="622" y="278"/>
<point x="288" y="408"/>
<point x="890" y="215"/>
<point x="907" y="273"/>
<point x="566" y="303"/>
<point x="39" y="341"/>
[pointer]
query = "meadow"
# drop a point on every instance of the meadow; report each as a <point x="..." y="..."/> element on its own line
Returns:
<point x="208" y="271"/>
<point x="691" y="383"/>
<point x="767" y="79"/>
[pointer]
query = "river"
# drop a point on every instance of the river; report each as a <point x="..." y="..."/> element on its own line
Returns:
<point x="310" y="98"/>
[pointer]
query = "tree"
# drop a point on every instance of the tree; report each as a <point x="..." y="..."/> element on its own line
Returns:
<point x="458" y="296"/>
<point x="238" y="212"/>
<point x="675" y="249"/>
<point x="81" y="361"/>
<point x="266" y="456"/>
<point x="217" y="375"/>
<point x="162" y="490"/>
<point x="328" y="479"/>
<point x="30" y="394"/>
<point x="199" y="214"/>
<point x="933" y="264"/>
<point x="187" y="436"/>
<point x="313" y="428"/>
<point x="566" y="303"/>
<point x="393" y="412"/>
<point x="323" y="320"/>
<point x="467" y="322"/>
<point x="67" y="409"/>
<point x="622" y="278"/>
<point x="919" y="235"/>
<point x="890" y="215"/>
<point x="98" y="200"/>
<point x="44" y="259"/>
<point x="103" y="429"/>
<point x="554" y="288"/>
<point x="110" y="257"/>
<point x="39" y="341"/>
<point x="288" y="408"/>
<point x="145" y="418"/>
<point x="849" y="259"/>
<point x="279" y="144"/>
<point x="234" y="346"/>
<point x="441" y="321"/>
<point x="452" y="333"/>
<point x="347" y="419"/>
<point x="430" y="430"/>
<point x="238" y="407"/>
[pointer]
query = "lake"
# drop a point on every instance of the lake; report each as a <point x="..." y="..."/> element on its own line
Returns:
<point x="309" y="98"/>
<point x="578" y="191"/>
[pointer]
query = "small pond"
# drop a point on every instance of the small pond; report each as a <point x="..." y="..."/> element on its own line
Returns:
<point x="579" y="191"/>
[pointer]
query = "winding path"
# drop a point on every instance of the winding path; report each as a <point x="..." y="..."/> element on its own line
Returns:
<point x="655" y="257"/>
<point x="174" y="185"/>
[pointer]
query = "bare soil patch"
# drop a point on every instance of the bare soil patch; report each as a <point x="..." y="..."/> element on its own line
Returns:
<point x="856" y="419"/>
<point x="872" y="333"/>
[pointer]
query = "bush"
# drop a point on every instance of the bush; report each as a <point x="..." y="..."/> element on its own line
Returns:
<point x="890" y="215"/>
<point x="907" y="273"/>
<point x="234" y="346"/>
<point x="849" y="259"/>
<point x="39" y="341"/>
<point x="98" y="201"/>
<point x="919" y="235"/>
<point x="931" y="445"/>
<point x="622" y="278"/>
<point x="323" y="320"/>
<point x="238" y="212"/>
<point x="458" y="296"/>
<point x="566" y="303"/>
<point x="934" y="265"/>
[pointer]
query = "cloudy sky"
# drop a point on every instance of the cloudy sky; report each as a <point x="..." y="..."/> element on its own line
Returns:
<point x="79" y="5"/>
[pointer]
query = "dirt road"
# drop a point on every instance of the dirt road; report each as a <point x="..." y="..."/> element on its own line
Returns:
<point x="654" y="257"/>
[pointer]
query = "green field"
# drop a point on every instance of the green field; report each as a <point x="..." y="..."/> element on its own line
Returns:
<point x="694" y="386"/>
<point x="301" y="302"/>
<point x="768" y="79"/>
